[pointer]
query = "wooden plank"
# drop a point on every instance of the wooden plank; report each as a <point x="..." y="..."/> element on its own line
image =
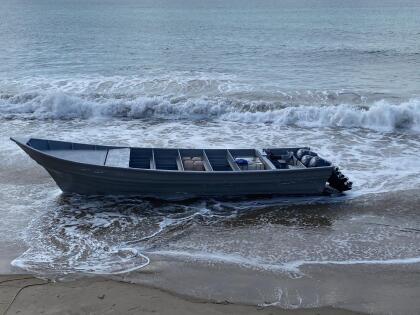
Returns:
<point x="118" y="157"/>
<point x="82" y="156"/>
<point x="106" y="156"/>
<point x="263" y="157"/>
<point x="298" y="163"/>
<point x="152" y="161"/>
<point x="232" y="162"/>
<point x="206" y="162"/>
<point x="179" y="162"/>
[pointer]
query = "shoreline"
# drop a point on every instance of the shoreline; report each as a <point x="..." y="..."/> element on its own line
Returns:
<point x="224" y="284"/>
<point x="25" y="294"/>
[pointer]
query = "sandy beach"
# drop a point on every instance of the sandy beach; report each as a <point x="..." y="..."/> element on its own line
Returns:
<point x="24" y="294"/>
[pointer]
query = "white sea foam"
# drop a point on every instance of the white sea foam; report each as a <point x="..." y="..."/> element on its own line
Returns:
<point x="381" y="115"/>
<point x="61" y="105"/>
<point x="246" y="262"/>
<point x="293" y="266"/>
<point x="202" y="96"/>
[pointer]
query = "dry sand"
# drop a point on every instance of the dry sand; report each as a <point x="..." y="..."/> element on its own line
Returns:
<point x="24" y="294"/>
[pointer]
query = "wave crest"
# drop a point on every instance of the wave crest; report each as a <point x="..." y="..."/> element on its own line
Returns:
<point x="381" y="115"/>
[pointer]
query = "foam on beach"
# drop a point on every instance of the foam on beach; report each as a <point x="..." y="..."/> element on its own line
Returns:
<point x="117" y="235"/>
<point x="293" y="268"/>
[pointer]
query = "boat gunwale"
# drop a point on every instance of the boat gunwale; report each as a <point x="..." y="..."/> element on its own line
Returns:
<point x="130" y="169"/>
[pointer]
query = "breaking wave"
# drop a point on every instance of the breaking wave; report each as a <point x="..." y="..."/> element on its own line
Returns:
<point x="380" y="115"/>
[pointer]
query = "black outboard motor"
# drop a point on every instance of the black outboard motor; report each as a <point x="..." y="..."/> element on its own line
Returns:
<point x="337" y="180"/>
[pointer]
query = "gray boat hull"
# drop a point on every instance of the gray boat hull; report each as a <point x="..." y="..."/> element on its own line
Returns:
<point x="90" y="179"/>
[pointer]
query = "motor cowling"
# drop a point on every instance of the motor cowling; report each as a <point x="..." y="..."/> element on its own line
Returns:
<point x="337" y="180"/>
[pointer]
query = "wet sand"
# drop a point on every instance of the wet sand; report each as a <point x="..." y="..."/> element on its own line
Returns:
<point x="364" y="288"/>
<point x="24" y="294"/>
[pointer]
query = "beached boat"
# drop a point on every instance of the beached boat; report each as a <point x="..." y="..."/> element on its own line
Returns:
<point x="182" y="173"/>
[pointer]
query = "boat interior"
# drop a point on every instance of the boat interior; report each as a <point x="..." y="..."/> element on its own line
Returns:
<point x="204" y="160"/>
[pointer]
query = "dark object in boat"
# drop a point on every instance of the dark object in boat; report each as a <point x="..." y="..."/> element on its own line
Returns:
<point x="302" y="152"/>
<point x="180" y="173"/>
<point x="241" y="162"/>
<point x="316" y="161"/>
<point x="306" y="159"/>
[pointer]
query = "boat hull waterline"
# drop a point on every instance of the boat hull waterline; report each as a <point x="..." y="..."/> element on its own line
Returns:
<point x="89" y="170"/>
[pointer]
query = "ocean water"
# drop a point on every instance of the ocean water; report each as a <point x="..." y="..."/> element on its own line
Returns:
<point x="341" y="77"/>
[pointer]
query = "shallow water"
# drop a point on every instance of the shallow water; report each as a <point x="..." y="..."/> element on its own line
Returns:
<point x="72" y="234"/>
<point x="339" y="77"/>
